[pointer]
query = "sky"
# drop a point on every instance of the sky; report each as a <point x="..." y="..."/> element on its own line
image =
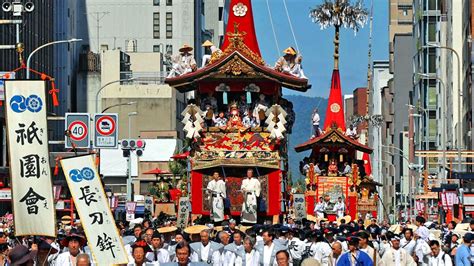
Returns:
<point x="317" y="46"/>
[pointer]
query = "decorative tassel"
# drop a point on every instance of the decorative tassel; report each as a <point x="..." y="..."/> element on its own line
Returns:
<point x="53" y="92"/>
<point x="249" y="97"/>
<point x="43" y="76"/>
<point x="224" y="97"/>
<point x="56" y="166"/>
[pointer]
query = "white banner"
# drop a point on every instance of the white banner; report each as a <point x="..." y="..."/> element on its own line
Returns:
<point x="93" y="208"/>
<point x="183" y="212"/>
<point x="30" y="172"/>
<point x="300" y="206"/>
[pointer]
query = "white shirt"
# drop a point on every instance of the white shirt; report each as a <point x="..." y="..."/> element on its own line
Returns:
<point x="267" y="254"/>
<point x="205" y="251"/>
<point x="350" y="132"/>
<point x="396" y="255"/>
<point x="64" y="259"/>
<point x="163" y="256"/>
<point x="438" y="260"/>
<point x="316" y="119"/>
<point x="217" y="187"/>
<point x="408" y="245"/>
<point x="251" y="185"/>
<point x="252" y="258"/>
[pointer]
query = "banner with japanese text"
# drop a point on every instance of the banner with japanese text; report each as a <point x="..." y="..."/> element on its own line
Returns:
<point x="93" y="208"/>
<point x="300" y="206"/>
<point x="183" y="212"/>
<point x="30" y="172"/>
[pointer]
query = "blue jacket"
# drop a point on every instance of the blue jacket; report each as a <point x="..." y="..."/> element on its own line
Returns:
<point x="362" y="259"/>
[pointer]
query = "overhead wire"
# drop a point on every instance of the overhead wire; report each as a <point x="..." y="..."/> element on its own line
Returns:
<point x="273" y="28"/>
<point x="291" y="26"/>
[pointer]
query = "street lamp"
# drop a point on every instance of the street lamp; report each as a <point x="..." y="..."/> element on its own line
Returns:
<point x="119" y="104"/>
<point x="43" y="46"/>
<point x="103" y="87"/>
<point x="443" y="120"/>
<point x="435" y="45"/>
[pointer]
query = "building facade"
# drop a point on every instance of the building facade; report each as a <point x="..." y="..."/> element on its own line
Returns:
<point x="145" y="25"/>
<point x="381" y="76"/>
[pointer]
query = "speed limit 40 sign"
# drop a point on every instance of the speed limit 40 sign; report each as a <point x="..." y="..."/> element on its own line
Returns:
<point x="77" y="129"/>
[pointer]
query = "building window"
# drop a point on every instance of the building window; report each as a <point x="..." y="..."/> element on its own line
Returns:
<point x="169" y="2"/>
<point x="156" y="49"/>
<point x="169" y="25"/>
<point x="221" y="13"/>
<point x="156" y="25"/>
<point x="169" y="49"/>
<point x="432" y="31"/>
<point x="156" y="2"/>
<point x="432" y="97"/>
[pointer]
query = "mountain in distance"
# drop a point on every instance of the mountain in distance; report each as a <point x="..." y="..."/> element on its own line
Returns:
<point x="303" y="127"/>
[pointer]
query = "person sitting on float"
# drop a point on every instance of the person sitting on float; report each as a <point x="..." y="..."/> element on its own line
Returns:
<point x="249" y="121"/>
<point x="183" y="63"/>
<point x="234" y="120"/>
<point x="220" y="121"/>
<point x="290" y="63"/>
<point x="209" y="115"/>
<point x="259" y="111"/>
<point x="351" y="132"/>
<point x="332" y="168"/>
<point x="347" y="169"/>
<point x="214" y="53"/>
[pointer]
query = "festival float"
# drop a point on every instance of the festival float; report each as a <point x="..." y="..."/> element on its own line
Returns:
<point x="334" y="148"/>
<point x="236" y="82"/>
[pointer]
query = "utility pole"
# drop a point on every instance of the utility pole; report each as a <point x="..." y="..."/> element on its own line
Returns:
<point x="411" y="158"/>
<point x="98" y="16"/>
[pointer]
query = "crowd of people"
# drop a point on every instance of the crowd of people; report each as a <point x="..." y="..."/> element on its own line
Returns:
<point x="295" y="243"/>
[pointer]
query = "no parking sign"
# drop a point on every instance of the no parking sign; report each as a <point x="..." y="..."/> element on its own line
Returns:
<point x="77" y="125"/>
<point x="106" y="131"/>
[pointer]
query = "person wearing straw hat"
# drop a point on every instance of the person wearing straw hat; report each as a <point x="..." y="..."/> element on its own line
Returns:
<point x="396" y="255"/>
<point x="206" y="251"/>
<point x="214" y="52"/>
<point x="217" y="189"/>
<point x="290" y="63"/>
<point x="251" y="189"/>
<point x="183" y="62"/>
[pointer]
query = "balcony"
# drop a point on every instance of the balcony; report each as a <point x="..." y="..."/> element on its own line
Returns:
<point x="143" y="78"/>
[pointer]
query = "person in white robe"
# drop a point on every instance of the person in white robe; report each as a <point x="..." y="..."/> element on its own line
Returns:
<point x="206" y="251"/>
<point x="183" y="63"/>
<point x="339" y="208"/>
<point x="217" y="192"/>
<point x="395" y="255"/>
<point x="290" y="63"/>
<point x="251" y="189"/>
<point x="320" y="208"/>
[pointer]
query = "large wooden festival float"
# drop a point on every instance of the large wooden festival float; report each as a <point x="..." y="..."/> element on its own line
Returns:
<point x="357" y="188"/>
<point x="238" y="71"/>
